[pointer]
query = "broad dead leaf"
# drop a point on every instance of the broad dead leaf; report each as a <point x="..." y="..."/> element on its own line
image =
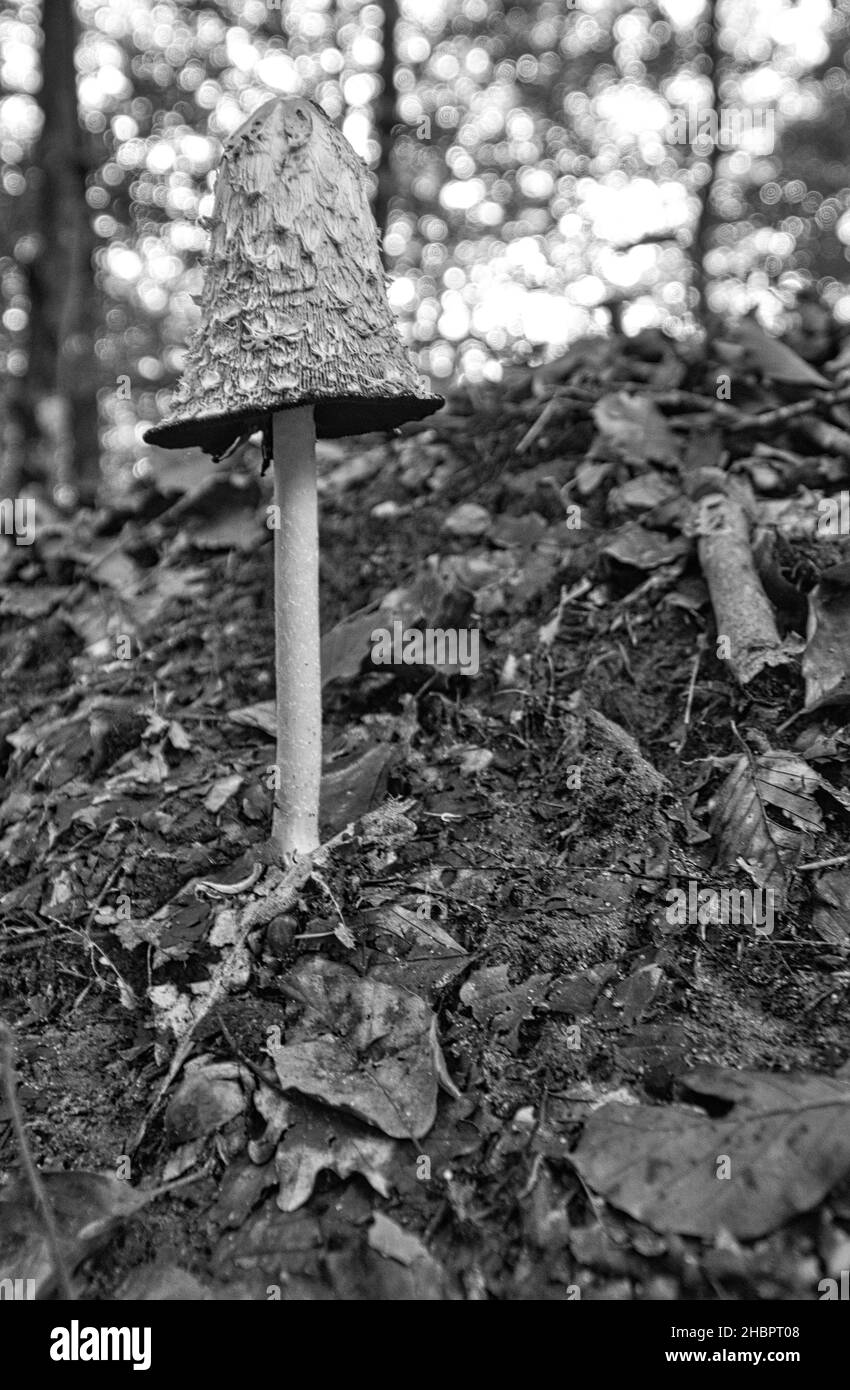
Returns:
<point x="365" y="1047"/>
<point x="784" y="1144"/>
<point x="766" y="814"/>
<point x="317" y="1142"/>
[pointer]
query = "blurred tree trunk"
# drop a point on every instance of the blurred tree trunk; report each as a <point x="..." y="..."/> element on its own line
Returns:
<point x="385" y="117"/>
<point x="706" y="219"/>
<point x="61" y="382"/>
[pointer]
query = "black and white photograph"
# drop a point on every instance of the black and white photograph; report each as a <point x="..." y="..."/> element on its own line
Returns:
<point x="424" y="670"/>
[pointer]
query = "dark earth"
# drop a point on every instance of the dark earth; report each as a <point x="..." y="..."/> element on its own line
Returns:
<point x="554" y="799"/>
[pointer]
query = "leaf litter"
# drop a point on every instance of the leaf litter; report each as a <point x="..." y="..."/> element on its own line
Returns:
<point x="476" y="1020"/>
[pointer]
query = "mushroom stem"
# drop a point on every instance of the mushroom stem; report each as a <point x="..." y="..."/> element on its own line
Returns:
<point x="295" y="828"/>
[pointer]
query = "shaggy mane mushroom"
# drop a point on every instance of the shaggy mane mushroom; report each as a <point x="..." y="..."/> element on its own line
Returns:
<point x="297" y="340"/>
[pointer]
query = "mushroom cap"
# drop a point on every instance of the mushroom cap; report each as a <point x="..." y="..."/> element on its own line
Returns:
<point x="294" y="308"/>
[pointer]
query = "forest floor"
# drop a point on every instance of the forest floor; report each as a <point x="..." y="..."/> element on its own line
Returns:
<point x="507" y="1041"/>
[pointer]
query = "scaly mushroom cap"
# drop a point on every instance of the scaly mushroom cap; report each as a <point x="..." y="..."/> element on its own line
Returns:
<point x="294" y="308"/>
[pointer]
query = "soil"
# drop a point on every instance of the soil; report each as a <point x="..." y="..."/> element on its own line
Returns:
<point x="557" y="796"/>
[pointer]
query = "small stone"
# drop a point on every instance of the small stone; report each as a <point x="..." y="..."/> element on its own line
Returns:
<point x="469" y="519"/>
<point x="280" y="934"/>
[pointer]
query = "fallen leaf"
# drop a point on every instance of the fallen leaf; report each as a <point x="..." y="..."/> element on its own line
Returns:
<point x="636" y="427"/>
<point x="347" y="646"/>
<point x="786" y="1140"/>
<point x="208" y="1097"/>
<point x="87" y="1209"/>
<point x="766" y="814"/>
<point x="221" y="792"/>
<point x="774" y="359"/>
<point x="831" y="917"/>
<point x="505" y="1007"/>
<point x="415" y="952"/>
<point x="826" y="663"/>
<point x="366" y="1047"/>
<point x="317" y="1142"/>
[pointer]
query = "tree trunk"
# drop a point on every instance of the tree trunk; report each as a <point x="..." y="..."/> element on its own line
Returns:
<point x="61" y="381"/>
<point x="385" y="117"/>
<point x="701" y="244"/>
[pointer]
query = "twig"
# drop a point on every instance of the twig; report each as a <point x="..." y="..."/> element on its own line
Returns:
<point x="778" y="414"/>
<point x="98" y="956"/>
<point x="7" y="1072"/>
<point x="539" y="425"/>
<point x="822" y="864"/>
<point x="686" y="722"/>
<point x="104" y="889"/>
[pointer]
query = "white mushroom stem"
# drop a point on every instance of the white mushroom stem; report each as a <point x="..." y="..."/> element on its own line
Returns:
<point x="295" y="828"/>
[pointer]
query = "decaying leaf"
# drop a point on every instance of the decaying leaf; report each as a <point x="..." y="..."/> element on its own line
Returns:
<point x="506" y="1007"/>
<point x="347" y="646"/>
<point x="775" y="359"/>
<point x="826" y="660"/>
<point x="368" y="1048"/>
<point x="636" y="427"/>
<point x="831" y="917"/>
<point x="353" y="784"/>
<point x="318" y="1141"/>
<point x="782" y="1147"/>
<point x="208" y="1097"/>
<point x="416" y="953"/>
<point x="766" y="815"/>
<point x="424" y="1276"/>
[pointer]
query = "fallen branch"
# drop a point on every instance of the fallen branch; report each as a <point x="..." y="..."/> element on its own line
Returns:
<point x="743" y="613"/>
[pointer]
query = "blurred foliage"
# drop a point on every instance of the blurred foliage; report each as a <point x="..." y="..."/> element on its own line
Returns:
<point x="539" y="164"/>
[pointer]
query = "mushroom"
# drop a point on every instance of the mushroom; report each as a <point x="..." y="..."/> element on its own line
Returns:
<point x="297" y="340"/>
